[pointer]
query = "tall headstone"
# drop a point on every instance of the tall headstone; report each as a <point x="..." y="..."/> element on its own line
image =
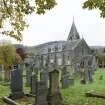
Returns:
<point x="41" y="94"/>
<point x="44" y="77"/>
<point x="65" y="78"/>
<point x="0" y="72"/>
<point x="91" y="68"/>
<point x="90" y="73"/>
<point x="33" y="84"/>
<point x="16" y="83"/>
<point x="54" y="96"/>
<point x="21" y="67"/>
<point x="88" y="69"/>
<point x="28" y="73"/>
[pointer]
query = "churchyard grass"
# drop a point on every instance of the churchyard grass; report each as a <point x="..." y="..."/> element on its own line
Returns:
<point x="4" y="91"/>
<point x="74" y="95"/>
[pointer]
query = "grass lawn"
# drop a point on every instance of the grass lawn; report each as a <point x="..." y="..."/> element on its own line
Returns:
<point x="4" y="90"/>
<point x="75" y="95"/>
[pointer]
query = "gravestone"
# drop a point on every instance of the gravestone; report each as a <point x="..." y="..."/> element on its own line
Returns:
<point x="41" y="94"/>
<point x="65" y="82"/>
<point x="21" y="67"/>
<point x="91" y="68"/>
<point x="16" y="83"/>
<point x="54" y="81"/>
<point x="44" y="77"/>
<point x="28" y="73"/>
<point x="38" y="62"/>
<point x="0" y="72"/>
<point x="33" y="84"/>
<point x="88" y="69"/>
<point x="54" y="96"/>
<point x="85" y="78"/>
<point x="65" y="78"/>
<point x="87" y="74"/>
<point x="90" y="73"/>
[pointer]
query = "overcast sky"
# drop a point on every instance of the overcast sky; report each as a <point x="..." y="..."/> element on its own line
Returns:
<point x="56" y="23"/>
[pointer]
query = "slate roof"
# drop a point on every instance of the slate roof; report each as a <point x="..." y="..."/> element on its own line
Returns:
<point x="71" y="45"/>
<point x="50" y="43"/>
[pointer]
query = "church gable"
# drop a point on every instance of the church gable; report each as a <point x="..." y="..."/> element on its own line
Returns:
<point x="82" y="49"/>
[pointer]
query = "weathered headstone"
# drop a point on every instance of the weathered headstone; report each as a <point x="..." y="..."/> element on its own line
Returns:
<point x="33" y="84"/>
<point x="44" y="77"/>
<point x="85" y="77"/>
<point x="0" y="72"/>
<point x="28" y="73"/>
<point x="90" y="74"/>
<point x="54" y="81"/>
<point x="16" y="83"/>
<point x="88" y="68"/>
<point x="54" y="96"/>
<point x="65" y="78"/>
<point x="65" y="82"/>
<point x="41" y="94"/>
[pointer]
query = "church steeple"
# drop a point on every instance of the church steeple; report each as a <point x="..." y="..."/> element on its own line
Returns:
<point x="73" y="35"/>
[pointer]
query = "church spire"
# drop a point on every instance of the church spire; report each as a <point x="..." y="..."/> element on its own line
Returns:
<point x="73" y="35"/>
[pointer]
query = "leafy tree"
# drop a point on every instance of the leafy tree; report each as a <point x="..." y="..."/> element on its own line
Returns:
<point x="8" y="57"/>
<point x="96" y="4"/>
<point x="15" y="12"/>
<point x="100" y="57"/>
<point x="21" y="52"/>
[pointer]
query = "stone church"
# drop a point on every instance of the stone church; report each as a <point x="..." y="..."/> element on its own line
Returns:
<point x="74" y="52"/>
